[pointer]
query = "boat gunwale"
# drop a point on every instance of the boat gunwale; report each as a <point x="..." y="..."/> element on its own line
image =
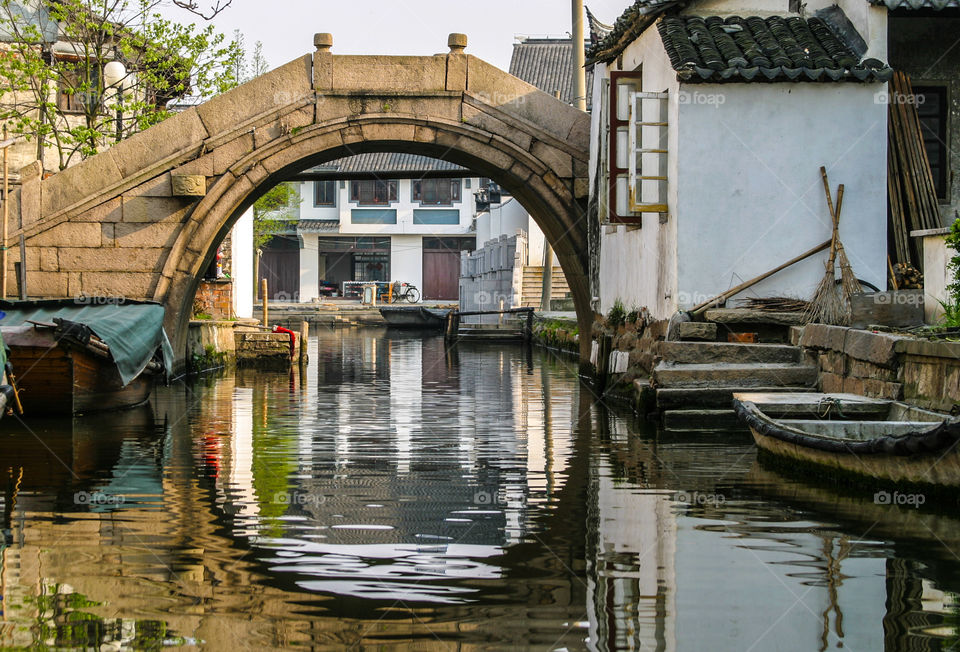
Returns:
<point x="938" y="437"/>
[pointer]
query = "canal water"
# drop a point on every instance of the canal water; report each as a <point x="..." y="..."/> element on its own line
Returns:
<point x="402" y="495"/>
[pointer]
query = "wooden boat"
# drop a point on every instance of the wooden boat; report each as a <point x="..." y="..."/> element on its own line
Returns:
<point x="846" y="433"/>
<point x="414" y="317"/>
<point x="59" y="375"/>
<point x="71" y="358"/>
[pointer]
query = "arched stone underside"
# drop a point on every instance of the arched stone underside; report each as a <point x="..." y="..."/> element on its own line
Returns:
<point x="143" y="219"/>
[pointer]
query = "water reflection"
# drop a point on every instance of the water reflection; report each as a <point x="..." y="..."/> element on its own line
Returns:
<point x="403" y="493"/>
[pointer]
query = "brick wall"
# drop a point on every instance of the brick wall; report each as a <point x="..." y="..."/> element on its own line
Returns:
<point x="214" y="298"/>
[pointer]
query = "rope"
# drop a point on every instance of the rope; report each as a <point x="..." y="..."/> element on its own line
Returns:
<point x="828" y="404"/>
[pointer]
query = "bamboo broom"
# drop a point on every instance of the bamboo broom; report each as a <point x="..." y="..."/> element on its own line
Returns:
<point x="828" y="305"/>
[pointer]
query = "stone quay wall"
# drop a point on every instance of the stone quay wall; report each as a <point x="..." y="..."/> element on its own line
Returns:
<point x="882" y="365"/>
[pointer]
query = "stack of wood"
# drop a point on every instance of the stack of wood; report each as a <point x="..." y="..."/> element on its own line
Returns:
<point x="776" y="304"/>
<point x="908" y="277"/>
<point x="911" y="191"/>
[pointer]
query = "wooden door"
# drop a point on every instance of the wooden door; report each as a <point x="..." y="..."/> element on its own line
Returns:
<point x="441" y="275"/>
<point x="281" y="268"/>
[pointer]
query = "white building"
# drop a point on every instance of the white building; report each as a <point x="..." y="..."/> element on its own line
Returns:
<point x="374" y="217"/>
<point x="711" y="123"/>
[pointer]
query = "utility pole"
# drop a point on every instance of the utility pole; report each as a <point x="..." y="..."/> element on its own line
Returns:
<point x="579" y="74"/>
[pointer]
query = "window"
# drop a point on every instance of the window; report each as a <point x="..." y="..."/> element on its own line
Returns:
<point x="373" y="216"/>
<point x="324" y="193"/>
<point x="371" y="267"/>
<point x="436" y="192"/>
<point x="74" y="94"/>
<point x="638" y="150"/>
<point x="372" y="191"/>
<point x="932" y="111"/>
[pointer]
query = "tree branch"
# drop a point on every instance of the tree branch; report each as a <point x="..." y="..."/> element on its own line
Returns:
<point x="192" y="7"/>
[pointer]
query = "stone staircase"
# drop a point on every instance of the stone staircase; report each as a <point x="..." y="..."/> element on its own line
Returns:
<point x="695" y="381"/>
<point x="532" y="286"/>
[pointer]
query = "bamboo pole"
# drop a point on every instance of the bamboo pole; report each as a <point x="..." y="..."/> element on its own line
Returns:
<point x="6" y="218"/>
<point x="263" y="292"/>
<point x="746" y="284"/>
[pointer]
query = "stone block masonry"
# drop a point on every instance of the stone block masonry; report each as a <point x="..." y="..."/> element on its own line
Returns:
<point x="881" y="365"/>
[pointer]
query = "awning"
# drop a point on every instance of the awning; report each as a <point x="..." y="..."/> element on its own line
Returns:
<point x="132" y="329"/>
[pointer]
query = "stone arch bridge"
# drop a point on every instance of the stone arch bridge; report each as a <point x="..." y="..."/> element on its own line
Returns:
<point x="143" y="219"/>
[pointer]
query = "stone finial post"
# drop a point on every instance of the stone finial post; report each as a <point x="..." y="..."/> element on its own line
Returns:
<point x="323" y="41"/>
<point x="457" y="43"/>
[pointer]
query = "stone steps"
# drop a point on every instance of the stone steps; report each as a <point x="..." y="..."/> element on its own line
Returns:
<point x="766" y="374"/>
<point x="717" y="398"/>
<point x="701" y="420"/>
<point x="721" y="352"/>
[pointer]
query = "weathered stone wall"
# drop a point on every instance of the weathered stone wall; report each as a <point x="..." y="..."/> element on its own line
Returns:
<point x="214" y="298"/>
<point x="881" y="365"/>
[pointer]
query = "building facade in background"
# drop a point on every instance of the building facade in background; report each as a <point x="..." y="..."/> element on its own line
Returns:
<point x="374" y="217"/>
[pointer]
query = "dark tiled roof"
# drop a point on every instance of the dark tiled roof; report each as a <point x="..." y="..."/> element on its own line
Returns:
<point x="918" y="4"/>
<point x="547" y="63"/>
<point x="384" y="163"/>
<point x="631" y="23"/>
<point x="318" y="226"/>
<point x="777" y="48"/>
<point x="598" y="30"/>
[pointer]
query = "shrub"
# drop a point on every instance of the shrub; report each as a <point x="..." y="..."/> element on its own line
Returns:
<point x="617" y="315"/>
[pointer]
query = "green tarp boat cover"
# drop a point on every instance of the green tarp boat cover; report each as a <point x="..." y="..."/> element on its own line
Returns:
<point x="132" y="329"/>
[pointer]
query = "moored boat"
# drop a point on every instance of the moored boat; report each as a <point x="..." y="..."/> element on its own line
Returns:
<point x="75" y="358"/>
<point x="845" y="433"/>
<point x="414" y="317"/>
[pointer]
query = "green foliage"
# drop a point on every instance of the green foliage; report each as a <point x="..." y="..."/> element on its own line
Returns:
<point x="951" y="313"/>
<point x="617" y="315"/>
<point x="209" y="359"/>
<point x="953" y="242"/>
<point x="633" y="315"/>
<point x="68" y="106"/>
<point x="273" y="211"/>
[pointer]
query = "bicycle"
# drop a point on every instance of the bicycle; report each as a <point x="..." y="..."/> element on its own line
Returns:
<point x="406" y="291"/>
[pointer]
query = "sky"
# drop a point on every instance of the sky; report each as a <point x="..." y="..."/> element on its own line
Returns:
<point x="286" y="27"/>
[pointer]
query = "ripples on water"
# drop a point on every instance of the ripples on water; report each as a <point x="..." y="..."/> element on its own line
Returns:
<point x="402" y="495"/>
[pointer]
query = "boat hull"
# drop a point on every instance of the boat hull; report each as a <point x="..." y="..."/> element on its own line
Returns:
<point x="925" y="452"/>
<point x="62" y="380"/>
<point x="939" y="468"/>
<point x="413" y="317"/>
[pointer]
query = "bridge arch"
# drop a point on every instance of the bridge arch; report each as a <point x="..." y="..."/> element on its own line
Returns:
<point x="163" y="200"/>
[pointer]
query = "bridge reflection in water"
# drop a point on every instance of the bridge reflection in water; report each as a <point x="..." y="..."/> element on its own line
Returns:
<point x="401" y="493"/>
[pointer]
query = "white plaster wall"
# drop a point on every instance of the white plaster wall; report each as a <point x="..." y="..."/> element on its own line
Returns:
<point x="309" y="268"/>
<point x="536" y="242"/>
<point x="503" y="219"/>
<point x="483" y="227"/>
<point x="750" y="195"/>
<point x="936" y="276"/>
<point x="242" y="265"/>
<point x="406" y="259"/>
<point x="638" y="265"/>
<point x="404" y="207"/>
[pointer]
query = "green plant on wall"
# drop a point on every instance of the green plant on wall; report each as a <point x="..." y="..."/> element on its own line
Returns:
<point x="617" y="315"/>
<point x="951" y="307"/>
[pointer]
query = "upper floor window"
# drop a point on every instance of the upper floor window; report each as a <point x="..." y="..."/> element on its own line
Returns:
<point x="638" y="149"/>
<point x="324" y="193"/>
<point x="76" y="94"/>
<point x="436" y="192"/>
<point x="373" y="191"/>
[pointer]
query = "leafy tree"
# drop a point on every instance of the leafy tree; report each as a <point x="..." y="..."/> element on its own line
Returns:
<point x="272" y="211"/>
<point x="65" y="89"/>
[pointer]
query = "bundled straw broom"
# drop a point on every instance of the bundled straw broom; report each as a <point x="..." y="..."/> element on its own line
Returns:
<point x="831" y="304"/>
